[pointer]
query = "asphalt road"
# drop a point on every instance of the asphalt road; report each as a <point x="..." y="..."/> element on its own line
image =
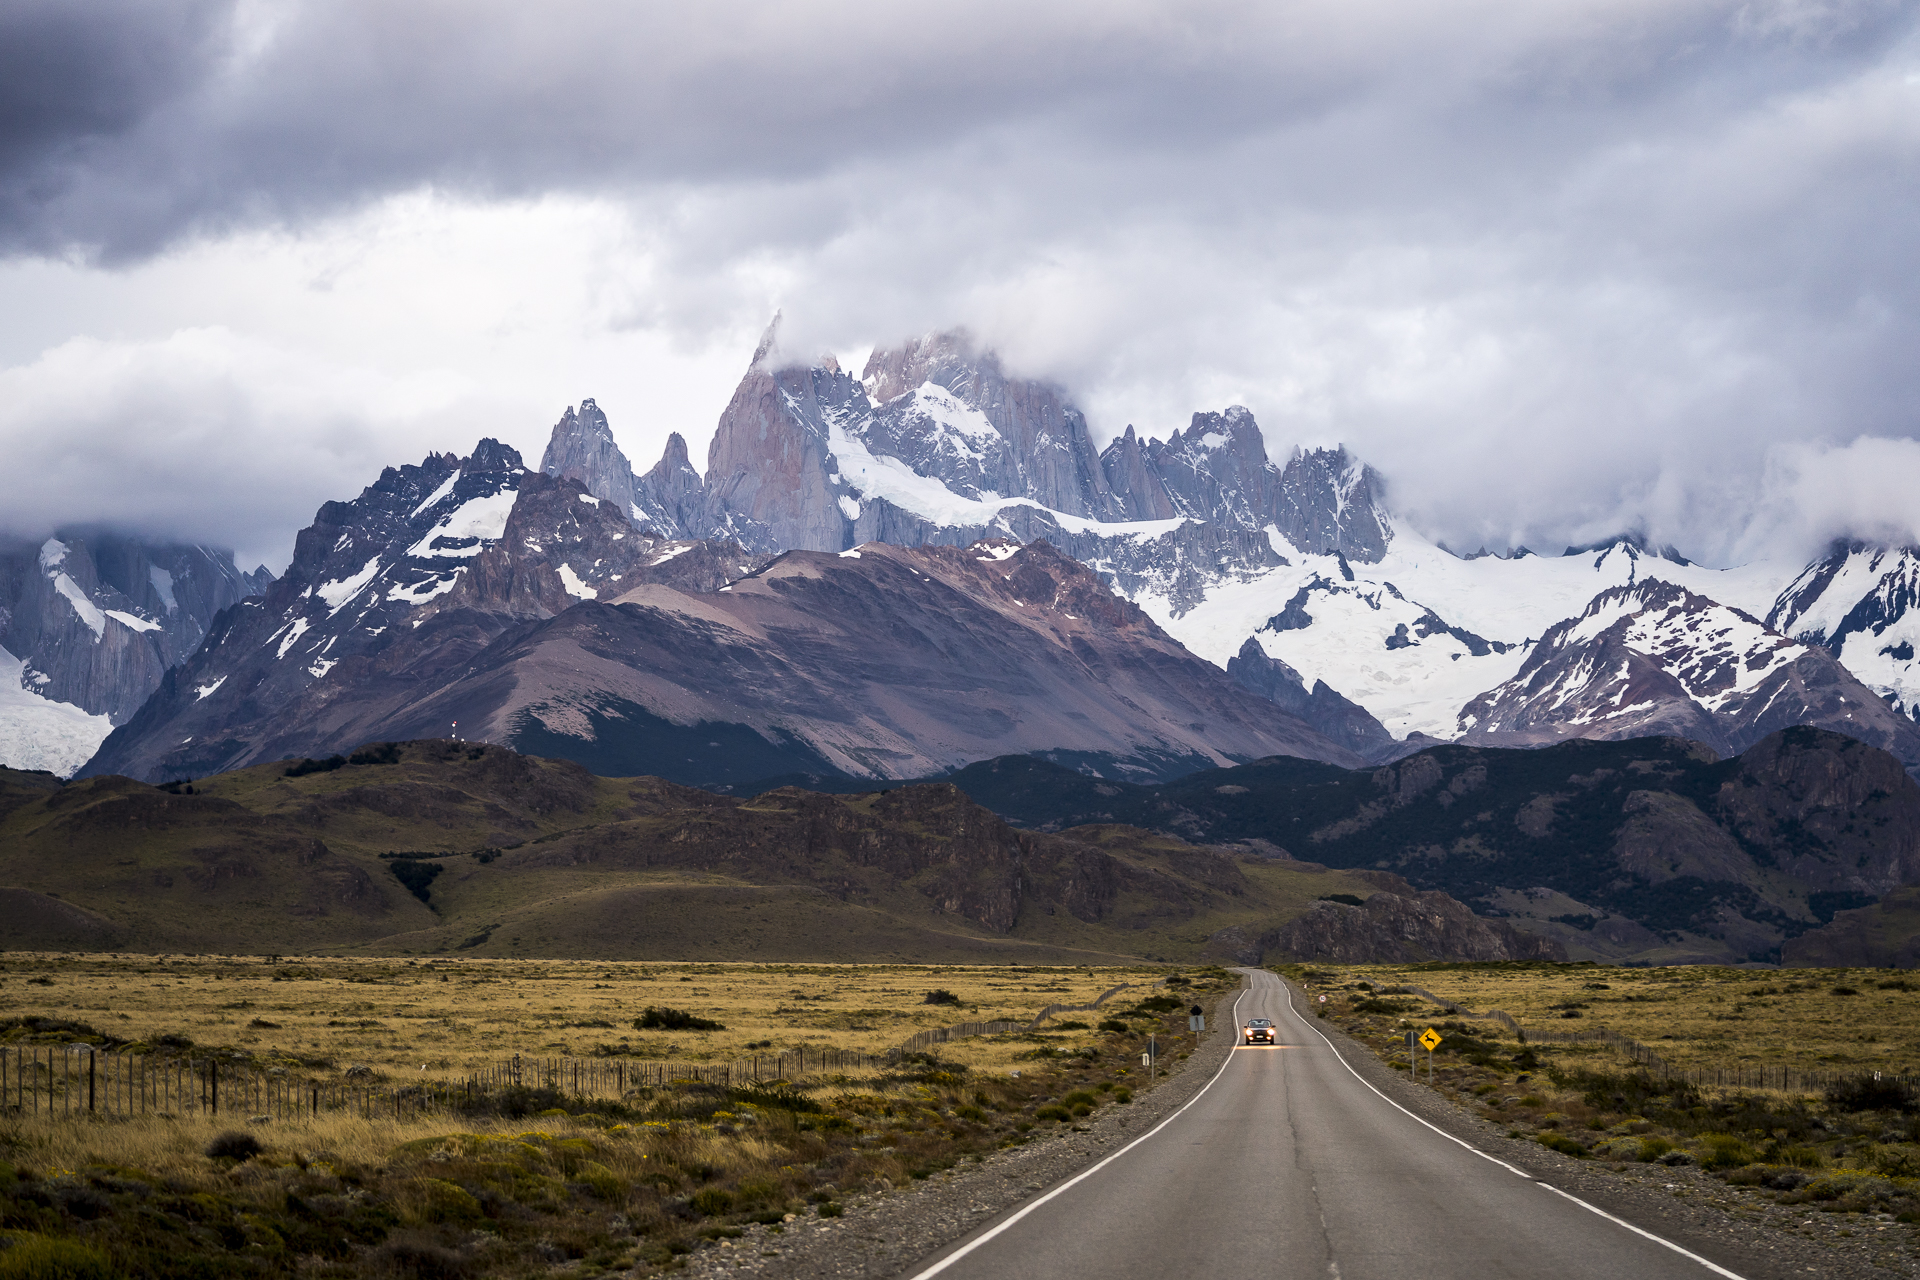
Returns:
<point x="1288" y="1164"/>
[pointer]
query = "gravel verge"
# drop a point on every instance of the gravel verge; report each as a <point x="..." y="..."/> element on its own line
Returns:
<point x="885" y="1234"/>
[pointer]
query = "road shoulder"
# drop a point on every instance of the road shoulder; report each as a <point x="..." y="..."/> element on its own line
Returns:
<point x="892" y="1233"/>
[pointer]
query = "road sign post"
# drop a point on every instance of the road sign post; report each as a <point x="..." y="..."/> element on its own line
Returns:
<point x="1196" y="1020"/>
<point x="1431" y="1039"/>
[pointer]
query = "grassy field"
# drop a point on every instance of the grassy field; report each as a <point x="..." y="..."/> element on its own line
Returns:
<point x="520" y="1183"/>
<point x="453" y="1017"/>
<point x="1694" y="1016"/>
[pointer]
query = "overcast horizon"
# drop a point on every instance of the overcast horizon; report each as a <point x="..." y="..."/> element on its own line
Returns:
<point x="1556" y="272"/>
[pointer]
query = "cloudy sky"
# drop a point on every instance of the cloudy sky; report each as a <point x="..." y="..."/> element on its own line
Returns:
<point x="1555" y="269"/>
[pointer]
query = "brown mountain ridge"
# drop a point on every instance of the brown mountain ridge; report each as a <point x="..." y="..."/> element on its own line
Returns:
<point x="513" y="855"/>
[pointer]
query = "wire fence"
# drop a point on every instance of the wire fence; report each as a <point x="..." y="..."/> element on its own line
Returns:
<point x="78" y="1080"/>
<point x="1790" y="1079"/>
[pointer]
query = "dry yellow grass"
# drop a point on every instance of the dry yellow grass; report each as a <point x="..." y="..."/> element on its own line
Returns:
<point x="442" y="1019"/>
<point x="620" y="1186"/>
<point x="1693" y="1016"/>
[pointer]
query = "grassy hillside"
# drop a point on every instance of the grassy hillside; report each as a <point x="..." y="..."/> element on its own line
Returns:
<point x="463" y="849"/>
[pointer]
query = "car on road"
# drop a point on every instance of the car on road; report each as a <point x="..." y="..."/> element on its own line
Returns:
<point x="1258" y="1031"/>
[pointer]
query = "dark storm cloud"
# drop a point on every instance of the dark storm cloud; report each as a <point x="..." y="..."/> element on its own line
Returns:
<point x="1555" y="268"/>
<point x="132" y="126"/>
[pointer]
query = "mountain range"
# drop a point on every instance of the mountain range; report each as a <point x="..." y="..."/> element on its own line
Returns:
<point x="825" y="599"/>
<point x="1380" y="637"/>
<point x="1648" y="850"/>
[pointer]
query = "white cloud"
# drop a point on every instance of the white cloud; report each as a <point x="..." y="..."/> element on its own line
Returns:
<point x="1556" y="269"/>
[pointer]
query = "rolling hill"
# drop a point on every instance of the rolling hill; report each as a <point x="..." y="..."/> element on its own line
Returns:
<point x="453" y="847"/>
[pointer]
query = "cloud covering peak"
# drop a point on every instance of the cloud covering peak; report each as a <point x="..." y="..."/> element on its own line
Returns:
<point x="1555" y="270"/>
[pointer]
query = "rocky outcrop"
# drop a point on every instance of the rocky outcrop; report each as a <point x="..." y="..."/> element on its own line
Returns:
<point x="1401" y="928"/>
<point x="1881" y="935"/>
<point x="582" y="448"/>
<point x="1342" y="720"/>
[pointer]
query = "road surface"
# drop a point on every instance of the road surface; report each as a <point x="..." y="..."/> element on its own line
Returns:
<point x="1288" y="1164"/>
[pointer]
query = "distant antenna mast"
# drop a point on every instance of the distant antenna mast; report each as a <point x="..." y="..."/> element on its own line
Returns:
<point x="456" y="731"/>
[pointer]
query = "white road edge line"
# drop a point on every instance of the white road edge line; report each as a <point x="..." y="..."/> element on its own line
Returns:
<point x="1684" y="1252"/>
<point x="1031" y="1205"/>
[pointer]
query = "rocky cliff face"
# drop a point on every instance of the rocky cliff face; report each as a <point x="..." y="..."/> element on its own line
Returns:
<point x="89" y="623"/>
<point x="387" y="594"/>
<point x="1401" y="928"/>
<point x="935" y="443"/>
<point x="1345" y="722"/>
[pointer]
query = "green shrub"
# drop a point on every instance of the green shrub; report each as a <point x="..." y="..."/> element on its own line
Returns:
<point x="1115" y="1025"/>
<point x="301" y="768"/>
<point x="1079" y="1098"/>
<point x="940" y="995"/>
<point x="1123" y="1095"/>
<point x="37" y="1257"/>
<point x="1052" y="1113"/>
<point x="1864" y="1093"/>
<point x="1724" y="1151"/>
<point x="831" y="1209"/>
<point x="652" y="1019"/>
<point x="712" y="1202"/>
<point x="1563" y="1144"/>
<point x="233" y="1145"/>
<point x="1652" y="1149"/>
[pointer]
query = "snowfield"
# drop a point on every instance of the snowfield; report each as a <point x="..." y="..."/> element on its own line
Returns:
<point x="38" y="733"/>
<point x="1359" y="626"/>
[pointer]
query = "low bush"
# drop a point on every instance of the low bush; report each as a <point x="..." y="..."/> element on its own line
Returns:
<point x="1115" y="1026"/>
<point x="940" y="995"/>
<point x="233" y="1145"/>
<point x="712" y="1202"/>
<point x="376" y="753"/>
<point x="1053" y="1113"/>
<point x="1864" y="1093"/>
<point x="38" y="1257"/>
<point x="301" y="768"/>
<point x="416" y="876"/>
<point x="652" y="1019"/>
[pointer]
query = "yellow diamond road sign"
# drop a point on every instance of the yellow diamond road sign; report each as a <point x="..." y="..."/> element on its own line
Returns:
<point x="1430" y="1038"/>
